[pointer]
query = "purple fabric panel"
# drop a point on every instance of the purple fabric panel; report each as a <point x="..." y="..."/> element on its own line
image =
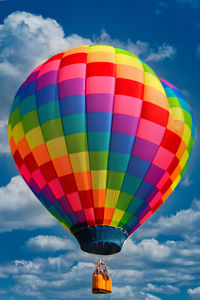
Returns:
<point x="48" y="193"/>
<point x="33" y="185"/>
<point x="80" y="216"/>
<point x="125" y="124"/>
<point x="144" y="149"/>
<point x="100" y="102"/>
<point x="32" y="77"/>
<point x="47" y="79"/>
<point x="65" y="205"/>
<point x="152" y="195"/>
<point x="72" y="87"/>
<point x="154" y="174"/>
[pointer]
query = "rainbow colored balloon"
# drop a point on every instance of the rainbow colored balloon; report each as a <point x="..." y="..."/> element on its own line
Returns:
<point x="101" y="141"/>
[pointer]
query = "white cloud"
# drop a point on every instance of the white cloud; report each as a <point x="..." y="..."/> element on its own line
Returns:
<point x="163" y="52"/>
<point x="19" y="208"/>
<point x="185" y="223"/>
<point x="162" y="289"/>
<point x="27" y="40"/>
<point x="186" y="181"/>
<point x="49" y="243"/>
<point x="150" y="297"/>
<point x="194" y="292"/>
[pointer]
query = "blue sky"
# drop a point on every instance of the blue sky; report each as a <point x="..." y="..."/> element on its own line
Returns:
<point x="38" y="258"/>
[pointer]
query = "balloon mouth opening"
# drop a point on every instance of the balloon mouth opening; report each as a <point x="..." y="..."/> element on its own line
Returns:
<point x="101" y="239"/>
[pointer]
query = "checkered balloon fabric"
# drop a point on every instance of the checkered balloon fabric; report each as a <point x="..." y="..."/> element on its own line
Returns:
<point x="99" y="138"/>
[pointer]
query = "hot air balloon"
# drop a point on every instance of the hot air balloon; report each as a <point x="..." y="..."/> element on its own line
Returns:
<point x="101" y="141"/>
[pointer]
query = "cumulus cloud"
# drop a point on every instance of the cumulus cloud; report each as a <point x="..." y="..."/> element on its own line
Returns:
<point x="139" y="272"/>
<point x="186" y="181"/>
<point x="185" y="223"/>
<point x="27" y="40"/>
<point x="162" y="289"/>
<point x="49" y="243"/>
<point x="20" y="209"/>
<point x="195" y="293"/>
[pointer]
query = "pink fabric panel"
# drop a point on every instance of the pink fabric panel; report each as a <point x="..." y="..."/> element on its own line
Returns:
<point x="72" y="71"/>
<point x="127" y="105"/>
<point x="163" y="158"/>
<point x="150" y="131"/>
<point x="100" y="84"/>
<point x="39" y="178"/>
<point x="56" y="188"/>
<point x="74" y="201"/>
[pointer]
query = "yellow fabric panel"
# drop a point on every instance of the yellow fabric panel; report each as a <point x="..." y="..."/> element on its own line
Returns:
<point x="79" y="162"/>
<point x="98" y="179"/>
<point x="57" y="147"/>
<point x="177" y="113"/>
<point x="118" y="214"/>
<point x="34" y="138"/>
<point x="176" y="181"/>
<point x="18" y="132"/>
<point x="152" y="81"/>
<point x="101" y="48"/>
<point x="9" y="132"/>
<point x="128" y="60"/>
<point x="112" y="197"/>
<point x="184" y="159"/>
<point x="186" y="134"/>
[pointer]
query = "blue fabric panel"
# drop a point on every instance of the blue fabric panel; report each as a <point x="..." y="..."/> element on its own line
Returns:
<point x="28" y="90"/>
<point x="144" y="190"/>
<point x="72" y="105"/>
<point x="138" y="167"/>
<point x="99" y="121"/>
<point x="47" y="94"/>
<point x="121" y="143"/>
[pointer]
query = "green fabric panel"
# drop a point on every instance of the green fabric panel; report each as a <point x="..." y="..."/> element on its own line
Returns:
<point x="55" y="213"/>
<point x="147" y="69"/>
<point x="189" y="147"/>
<point x="52" y="129"/>
<point x="99" y="141"/>
<point x="98" y="160"/>
<point x="115" y="180"/>
<point x="173" y="102"/>
<point x="187" y="118"/>
<point x="15" y="104"/>
<point x="118" y="162"/>
<point x="184" y="168"/>
<point x="49" y="111"/>
<point x="30" y="121"/>
<point x="66" y="220"/>
<point x="76" y="142"/>
<point x="121" y="51"/>
<point x="28" y="105"/>
<point x="131" y="184"/>
<point x="74" y="124"/>
<point x="126" y="217"/>
<point x="15" y="118"/>
<point x="134" y="205"/>
<point x="124" y="201"/>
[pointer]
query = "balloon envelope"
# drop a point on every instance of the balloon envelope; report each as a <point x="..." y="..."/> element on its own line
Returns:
<point x="101" y="141"/>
